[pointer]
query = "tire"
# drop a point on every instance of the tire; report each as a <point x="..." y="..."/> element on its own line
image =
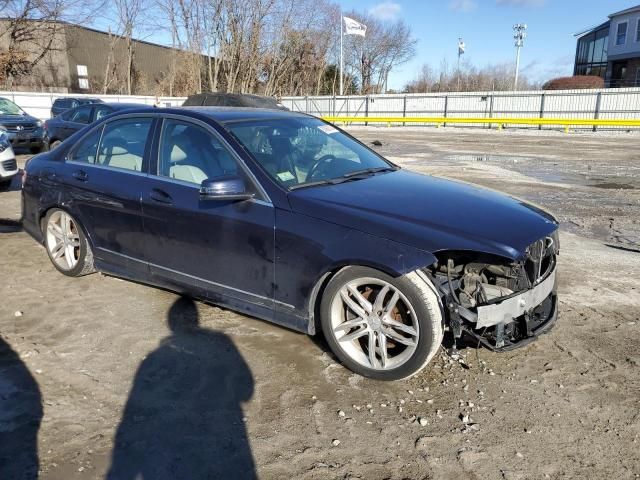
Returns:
<point x="409" y="331"/>
<point x="66" y="244"/>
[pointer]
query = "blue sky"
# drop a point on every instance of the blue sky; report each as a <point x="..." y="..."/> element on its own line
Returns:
<point x="486" y="28"/>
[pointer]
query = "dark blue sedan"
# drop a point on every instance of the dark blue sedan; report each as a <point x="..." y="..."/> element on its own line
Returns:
<point x="61" y="127"/>
<point x="287" y="218"/>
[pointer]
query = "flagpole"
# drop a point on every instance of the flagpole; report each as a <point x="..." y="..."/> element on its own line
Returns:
<point x="341" y="58"/>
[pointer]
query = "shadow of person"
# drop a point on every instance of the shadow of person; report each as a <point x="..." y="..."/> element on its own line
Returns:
<point x="20" y="417"/>
<point x="183" y="418"/>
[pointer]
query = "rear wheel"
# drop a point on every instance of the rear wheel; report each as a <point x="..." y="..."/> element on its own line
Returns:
<point x="66" y="244"/>
<point x="379" y="326"/>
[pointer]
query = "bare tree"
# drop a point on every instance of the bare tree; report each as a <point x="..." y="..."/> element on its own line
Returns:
<point x="29" y="31"/>
<point x="496" y="77"/>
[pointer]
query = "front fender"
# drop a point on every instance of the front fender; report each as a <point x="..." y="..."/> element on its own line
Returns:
<point x="309" y="251"/>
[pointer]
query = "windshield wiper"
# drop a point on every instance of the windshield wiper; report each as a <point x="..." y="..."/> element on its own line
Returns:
<point x="357" y="175"/>
<point x="368" y="171"/>
<point x="331" y="181"/>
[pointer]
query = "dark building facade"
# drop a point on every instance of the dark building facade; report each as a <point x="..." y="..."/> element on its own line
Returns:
<point x="82" y="58"/>
<point x="612" y="50"/>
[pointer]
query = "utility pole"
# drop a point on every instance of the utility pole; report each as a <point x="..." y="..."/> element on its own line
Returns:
<point x="519" y="36"/>
<point x="341" y="55"/>
<point x="461" y="47"/>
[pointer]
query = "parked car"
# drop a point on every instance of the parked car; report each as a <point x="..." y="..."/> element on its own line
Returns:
<point x="65" y="103"/>
<point x="232" y="100"/>
<point x="66" y="124"/>
<point x="22" y="129"/>
<point x="8" y="164"/>
<point x="222" y="204"/>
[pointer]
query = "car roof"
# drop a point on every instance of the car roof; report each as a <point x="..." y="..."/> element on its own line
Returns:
<point x="234" y="114"/>
<point x="123" y="106"/>
<point x="219" y="114"/>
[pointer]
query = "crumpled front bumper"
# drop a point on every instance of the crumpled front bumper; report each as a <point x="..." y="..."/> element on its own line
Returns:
<point x="516" y="320"/>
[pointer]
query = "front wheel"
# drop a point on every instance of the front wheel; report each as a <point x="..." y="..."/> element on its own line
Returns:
<point x="66" y="244"/>
<point x="381" y="327"/>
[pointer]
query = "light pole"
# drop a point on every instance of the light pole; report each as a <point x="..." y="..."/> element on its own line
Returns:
<point x="519" y="36"/>
<point x="461" y="47"/>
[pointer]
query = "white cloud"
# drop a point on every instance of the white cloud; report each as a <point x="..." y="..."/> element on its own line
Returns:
<point x="463" y="5"/>
<point x="386" y="10"/>
<point x="522" y="3"/>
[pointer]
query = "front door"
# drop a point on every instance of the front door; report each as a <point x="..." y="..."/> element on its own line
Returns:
<point x="222" y="248"/>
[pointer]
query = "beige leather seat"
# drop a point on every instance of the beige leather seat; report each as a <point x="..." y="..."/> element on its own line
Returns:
<point x="119" y="157"/>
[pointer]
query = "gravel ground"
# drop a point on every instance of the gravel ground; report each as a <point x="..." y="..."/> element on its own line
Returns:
<point x="99" y="374"/>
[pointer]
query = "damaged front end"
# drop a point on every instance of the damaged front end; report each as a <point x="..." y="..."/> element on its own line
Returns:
<point x="500" y="304"/>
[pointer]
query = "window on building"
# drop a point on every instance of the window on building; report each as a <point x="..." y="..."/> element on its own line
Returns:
<point x="621" y="34"/>
<point x="638" y="30"/>
<point x="591" y="52"/>
<point x="83" y="83"/>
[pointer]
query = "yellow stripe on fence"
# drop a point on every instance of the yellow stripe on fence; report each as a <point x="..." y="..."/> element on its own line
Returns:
<point x="566" y="122"/>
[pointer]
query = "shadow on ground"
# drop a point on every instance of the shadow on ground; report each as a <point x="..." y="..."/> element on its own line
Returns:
<point x="183" y="417"/>
<point x="20" y="417"/>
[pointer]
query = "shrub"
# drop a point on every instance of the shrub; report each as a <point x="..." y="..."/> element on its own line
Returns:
<point x="572" y="83"/>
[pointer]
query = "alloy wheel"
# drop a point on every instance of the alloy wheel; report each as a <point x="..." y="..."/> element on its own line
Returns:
<point x="63" y="240"/>
<point x="374" y="323"/>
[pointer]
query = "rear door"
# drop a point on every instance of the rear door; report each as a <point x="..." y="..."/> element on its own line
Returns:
<point x="223" y="248"/>
<point x="74" y="121"/>
<point x="104" y="173"/>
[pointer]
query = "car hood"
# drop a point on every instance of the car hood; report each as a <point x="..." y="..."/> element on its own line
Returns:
<point x="17" y="119"/>
<point x="428" y="213"/>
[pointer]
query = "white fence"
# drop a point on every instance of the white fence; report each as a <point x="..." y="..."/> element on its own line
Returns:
<point x="612" y="103"/>
<point x="39" y="104"/>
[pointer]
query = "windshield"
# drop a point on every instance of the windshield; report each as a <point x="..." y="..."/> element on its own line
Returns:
<point x="298" y="152"/>
<point x="7" y="107"/>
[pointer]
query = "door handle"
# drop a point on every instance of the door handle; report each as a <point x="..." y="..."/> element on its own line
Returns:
<point x="160" y="196"/>
<point x="80" y="175"/>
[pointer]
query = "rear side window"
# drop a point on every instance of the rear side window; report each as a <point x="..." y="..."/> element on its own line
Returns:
<point x="86" y="149"/>
<point x="81" y="115"/>
<point x="102" y="111"/>
<point x="123" y="143"/>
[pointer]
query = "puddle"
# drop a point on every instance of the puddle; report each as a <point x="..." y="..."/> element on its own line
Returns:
<point x="544" y="170"/>
<point x="614" y="186"/>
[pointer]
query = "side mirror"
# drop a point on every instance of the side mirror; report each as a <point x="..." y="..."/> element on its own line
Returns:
<point x="228" y="187"/>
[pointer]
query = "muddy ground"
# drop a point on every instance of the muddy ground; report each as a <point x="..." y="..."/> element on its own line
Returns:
<point x="106" y="357"/>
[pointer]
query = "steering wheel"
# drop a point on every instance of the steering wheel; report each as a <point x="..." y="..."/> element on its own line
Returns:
<point x="320" y="162"/>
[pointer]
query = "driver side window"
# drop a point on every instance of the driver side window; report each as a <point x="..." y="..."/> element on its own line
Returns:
<point x="190" y="153"/>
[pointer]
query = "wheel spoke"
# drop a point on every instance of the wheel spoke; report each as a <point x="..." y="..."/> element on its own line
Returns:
<point x="392" y="303"/>
<point x="382" y="349"/>
<point x="70" y="255"/>
<point x="58" y="250"/>
<point x="396" y="337"/>
<point x="357" y="309"/>
<point x="74" y="240"/>
<point x="55" y="230"/>
<point x="354" y="335"/>
<point x="348" y="325"/>
<point x="377" y="306"/>
<point x="372" y="350"/>
<point x="65" y="221"/>
<point x="363" y="302"/>
<point x="400" y="326"/>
